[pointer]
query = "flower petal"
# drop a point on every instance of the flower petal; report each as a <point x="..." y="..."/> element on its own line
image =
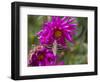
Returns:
<point x="64" y="19"/>
<point x="69" y="37"/>
<point x="72" y="25"/>
<point x="71" y="20"/>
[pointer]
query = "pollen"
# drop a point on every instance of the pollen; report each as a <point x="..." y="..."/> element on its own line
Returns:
<point x="41" y="57"/>
<point x="58" y="33"/>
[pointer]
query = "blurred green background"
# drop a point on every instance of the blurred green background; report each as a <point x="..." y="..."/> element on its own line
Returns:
<point x="76" y="53"/>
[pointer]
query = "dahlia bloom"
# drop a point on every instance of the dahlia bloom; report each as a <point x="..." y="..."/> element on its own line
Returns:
<point x="43" y="57"/>
<point x="58" y="29"/>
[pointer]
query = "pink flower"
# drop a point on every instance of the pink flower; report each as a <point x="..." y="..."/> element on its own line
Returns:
<point x="58" y="29"/>
<point x="43" y="57"/>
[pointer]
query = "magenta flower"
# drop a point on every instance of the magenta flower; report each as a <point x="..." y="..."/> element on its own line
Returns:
<point x="43" y="57"/>
<point x="58" y="29"/>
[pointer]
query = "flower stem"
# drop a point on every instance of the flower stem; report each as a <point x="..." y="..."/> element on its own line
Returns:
<point x="54" y="49"/>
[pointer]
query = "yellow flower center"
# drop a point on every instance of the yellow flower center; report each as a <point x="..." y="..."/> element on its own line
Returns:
<point x="41" y="57"/>
<point x="58" y="33"/>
